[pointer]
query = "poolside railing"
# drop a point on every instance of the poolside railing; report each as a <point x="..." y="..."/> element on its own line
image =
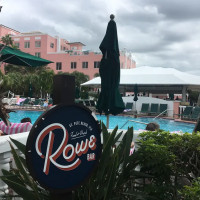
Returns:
<point x="161" y="113"/>
<point x="132" y="121"/>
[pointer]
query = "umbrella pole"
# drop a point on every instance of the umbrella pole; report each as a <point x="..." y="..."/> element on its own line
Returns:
<point x="107" y="121"/>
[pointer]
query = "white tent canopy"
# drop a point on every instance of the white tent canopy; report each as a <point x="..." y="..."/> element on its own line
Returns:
<point x="154" y="80"/>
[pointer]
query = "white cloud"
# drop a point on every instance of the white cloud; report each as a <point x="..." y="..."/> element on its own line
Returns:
<point x="159" y="33"/>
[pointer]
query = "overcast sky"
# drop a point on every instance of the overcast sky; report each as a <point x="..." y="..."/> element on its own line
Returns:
<point x="159" y="33"/>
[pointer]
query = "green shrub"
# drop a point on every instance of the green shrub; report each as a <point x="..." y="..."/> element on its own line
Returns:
<point x="172" y="160"/>
<point x="192" y="192"/>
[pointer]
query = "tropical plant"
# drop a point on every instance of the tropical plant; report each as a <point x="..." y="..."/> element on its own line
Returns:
<point x="13" y="82"/>
<point x="193" y="96"/>
<point x="171" y="159"/>
<point x="79" y="78"/>
<point x="7" y="40"/>
<point x="115" y="175"/>
<point x="45" y="82"/>
<point x="192" y="192"/>
<point x="18" y="79"/>
<point x="19" y="180"/>
<point x="24" y="69"/>
<point x="96" y="75"/>
<point x="114" y="178"/>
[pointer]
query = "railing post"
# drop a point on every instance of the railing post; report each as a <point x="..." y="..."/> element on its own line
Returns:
<point x="5" y="159"/>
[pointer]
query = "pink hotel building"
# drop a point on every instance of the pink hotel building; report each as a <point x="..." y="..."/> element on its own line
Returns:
<point x="67" y="56"/>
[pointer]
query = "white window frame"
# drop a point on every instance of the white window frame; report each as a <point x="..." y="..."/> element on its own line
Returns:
<point x="73" y="65"/>
<point x="38" y="54"/>
<point x="96" y="64"/>
<point x="58" y="65"/>
<point x="26" y="45"/>
<point x="85" y="65"/>
<point x="52" y="45"/>
<point x="38" y="44"/>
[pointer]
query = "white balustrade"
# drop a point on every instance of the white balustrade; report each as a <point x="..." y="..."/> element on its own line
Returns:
<point x="6" y="156"/>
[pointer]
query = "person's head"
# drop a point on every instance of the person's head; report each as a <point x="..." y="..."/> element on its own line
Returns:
<point x="26" y="119"/>
<point x="153" y="126"/>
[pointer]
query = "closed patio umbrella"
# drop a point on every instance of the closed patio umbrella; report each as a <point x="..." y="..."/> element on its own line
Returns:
<point x="17" y="57"/>
<point x="135" y="94"/>
<point x="110" y="100"/>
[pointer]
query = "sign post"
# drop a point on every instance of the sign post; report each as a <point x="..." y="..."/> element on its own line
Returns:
<point x="63" y="148"/>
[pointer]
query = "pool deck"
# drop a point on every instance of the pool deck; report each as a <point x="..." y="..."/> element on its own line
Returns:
<point x="28" y="108"/>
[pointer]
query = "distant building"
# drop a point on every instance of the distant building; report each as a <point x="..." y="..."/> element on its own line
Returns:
<point x="67" y="56"/>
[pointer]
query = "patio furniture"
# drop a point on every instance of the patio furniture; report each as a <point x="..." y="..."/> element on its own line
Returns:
<point x="186" y="113"/>
<point x="87" y="103"/>
<point x="145" y="108"/>
<point x="37" y="102"/>
<point x="128" y="107"/>
<point x="154" y="109"/>
<point x="81" y="102"/>
<point x="50" y="101"/>
<point x="25" y="102"/>
<point x="163" y="109"/>
<point x="195" y="114"/>
<point x="92" y="103"/>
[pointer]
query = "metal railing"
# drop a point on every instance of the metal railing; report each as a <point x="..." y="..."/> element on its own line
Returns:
<point x="132" y="121"/>
<point x="161" y="113"/>
<point x="143" y="122"/>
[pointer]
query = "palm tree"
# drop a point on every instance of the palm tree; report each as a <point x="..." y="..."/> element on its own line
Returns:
<point x="14" y="82"/>
<point x="45" y="82"/>
<point x="79" y="78"/>
<point x="7" y="40"/>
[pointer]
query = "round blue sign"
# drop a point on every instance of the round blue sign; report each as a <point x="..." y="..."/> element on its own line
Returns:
<point x="63" y="147"/>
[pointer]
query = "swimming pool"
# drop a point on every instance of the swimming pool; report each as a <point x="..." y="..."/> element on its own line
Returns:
<point x="165" y="124"/>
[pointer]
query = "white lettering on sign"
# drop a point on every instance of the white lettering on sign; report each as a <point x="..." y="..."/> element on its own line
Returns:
<point x="91" y="156"/>
<point x="68" y="151"/>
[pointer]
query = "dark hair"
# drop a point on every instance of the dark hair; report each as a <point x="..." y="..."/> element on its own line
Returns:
<point x="26" y="119"/>
<point x="152" y="126"/>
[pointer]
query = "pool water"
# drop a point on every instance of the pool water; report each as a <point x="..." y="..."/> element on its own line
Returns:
<point x="20" y="114"/>
<point x="165" y="124"/>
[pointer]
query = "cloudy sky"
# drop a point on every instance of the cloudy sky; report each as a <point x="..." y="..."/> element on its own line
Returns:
<point x="159" y="33"/>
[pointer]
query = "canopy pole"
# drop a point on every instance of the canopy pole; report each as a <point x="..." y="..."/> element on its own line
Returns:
<point x="17" y="58"/>
<point x="107" y="121"/>
<point x="24" y="61"/>
<point x="7" y="58"/>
